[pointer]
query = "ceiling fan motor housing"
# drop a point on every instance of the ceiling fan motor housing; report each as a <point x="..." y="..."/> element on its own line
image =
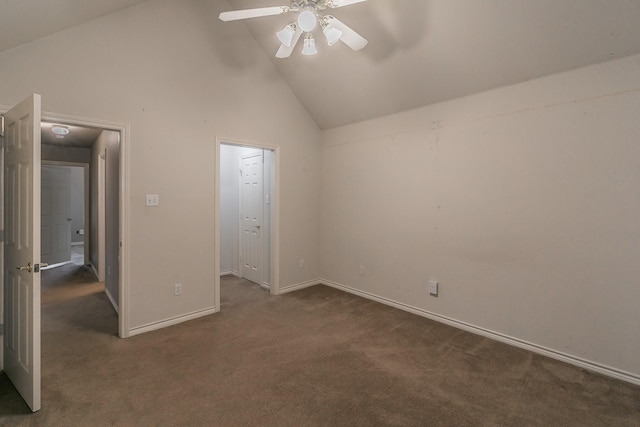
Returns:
<point x="309" y="4"/>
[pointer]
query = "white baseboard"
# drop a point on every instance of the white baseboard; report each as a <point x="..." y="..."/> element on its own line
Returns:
<point x="298" y="286"/>
<point x="77" y="243"/>
<point x="229" y="273"/>
<point x="170" y="322"/>
<point x="113" y="301"/>
<point x="553" y="354"/>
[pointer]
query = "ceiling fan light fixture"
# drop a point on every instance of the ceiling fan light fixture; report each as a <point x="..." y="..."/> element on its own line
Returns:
<point x="286" y="34"/>
<point x="332" y="34"/>
<point x="307" y="21"/>
<point x="309" y="45"/>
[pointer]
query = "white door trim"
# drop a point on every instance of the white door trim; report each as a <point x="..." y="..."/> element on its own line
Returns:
<point x="274" y="247"/>
<point x="102" y="201"/>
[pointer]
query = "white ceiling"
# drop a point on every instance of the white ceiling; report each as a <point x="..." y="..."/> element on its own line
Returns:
<point x="420" y="51"/>
<point x="22" y="21"/>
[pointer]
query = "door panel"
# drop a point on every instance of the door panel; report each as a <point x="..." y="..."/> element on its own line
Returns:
<point x="21" y="347"/>
<point x="251" y="192"/>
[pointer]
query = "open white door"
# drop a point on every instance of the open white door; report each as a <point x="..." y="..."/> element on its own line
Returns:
<point x="56" y="224"/>
<point x="22" y="249"/>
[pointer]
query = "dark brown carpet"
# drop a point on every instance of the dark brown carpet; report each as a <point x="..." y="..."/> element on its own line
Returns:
<point x="316" y="357"/>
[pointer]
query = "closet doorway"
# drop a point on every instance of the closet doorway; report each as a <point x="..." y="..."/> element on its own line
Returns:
<point x="247" y="213"/>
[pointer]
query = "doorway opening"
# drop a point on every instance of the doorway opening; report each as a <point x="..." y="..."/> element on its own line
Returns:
<point x="247" y="214"/>
<point x="99" y="148"/>
<point x="64" y="212"/>
<point x="20" y="199"/>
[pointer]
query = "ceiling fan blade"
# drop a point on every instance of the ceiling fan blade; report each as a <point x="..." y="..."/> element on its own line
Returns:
<point x="286" y="51"/>
<point x="340" y="3"/>
<point x="349" y="37"/>
<point x="234" y="15"/>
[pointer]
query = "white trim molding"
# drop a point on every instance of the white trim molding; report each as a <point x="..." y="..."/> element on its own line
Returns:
<point x="296" y="287"/>
<point x="171" y="321"/>
<point x="124" y="129"/>
<point x="553" y="354"/>
<point x="229" y="273"/>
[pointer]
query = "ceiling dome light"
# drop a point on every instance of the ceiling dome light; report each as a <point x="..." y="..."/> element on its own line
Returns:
<point x="307" y="21"/>
<point x="60" y="131"/>
<point x="309" y="45"/>
<point x="286" y="34"/>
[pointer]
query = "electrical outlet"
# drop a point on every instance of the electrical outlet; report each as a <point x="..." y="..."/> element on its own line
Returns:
<point x="363" y="270"/>
<point x="301" y="264"/>
<point x="433" y="288"/>
<point x="153" y="200"/>
<point x="177" y="290"/>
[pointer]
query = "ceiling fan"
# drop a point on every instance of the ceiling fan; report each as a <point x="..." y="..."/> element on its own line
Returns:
<point x="309" y="18"/>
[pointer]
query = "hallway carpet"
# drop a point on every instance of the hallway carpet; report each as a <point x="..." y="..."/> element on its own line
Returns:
<point x="316" y="357"/>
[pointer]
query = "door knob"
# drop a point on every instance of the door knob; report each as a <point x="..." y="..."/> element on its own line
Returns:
<point x="68" y="219"/>
<point x="23" y="268"/>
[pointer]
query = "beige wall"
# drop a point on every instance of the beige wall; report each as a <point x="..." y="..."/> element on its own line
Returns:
<point x="179" y="78"/>
<point x="56" y="153"/>
<point x="522" y="202"/>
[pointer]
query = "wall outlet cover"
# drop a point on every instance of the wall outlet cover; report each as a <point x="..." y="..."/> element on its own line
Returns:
<point x="152" y="200"/>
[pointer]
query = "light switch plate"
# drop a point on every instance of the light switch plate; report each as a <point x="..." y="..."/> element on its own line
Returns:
<point x="433" y="288"/>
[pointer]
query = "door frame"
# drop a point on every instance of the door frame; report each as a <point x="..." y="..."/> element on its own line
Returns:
<point x="274" y="224"/>
<point x="102" y="203"/>
<point x="123" y="265"/>
<point x="85" y="208"/>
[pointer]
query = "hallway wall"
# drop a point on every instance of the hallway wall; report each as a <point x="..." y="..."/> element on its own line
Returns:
<point x="108" y="143"/>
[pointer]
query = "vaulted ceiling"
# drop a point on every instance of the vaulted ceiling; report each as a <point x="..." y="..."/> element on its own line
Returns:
<point x="420" y="51"/>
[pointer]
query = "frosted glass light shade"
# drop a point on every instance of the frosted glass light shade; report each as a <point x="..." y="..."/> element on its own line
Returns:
<point x="309" y="45"/>
<point x="60" y="131"/>
<point x="286" y="34"/>
<point x="332" y="34"/>
<point x="307" y="21"/>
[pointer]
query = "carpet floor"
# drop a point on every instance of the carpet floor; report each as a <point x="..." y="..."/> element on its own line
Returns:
<point x="315" y="357"/>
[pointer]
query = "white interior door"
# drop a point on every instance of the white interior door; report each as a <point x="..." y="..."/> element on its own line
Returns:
<point x="56" y="221"/>
<point x="251" y="190"/>
<point x="22" y="249"/>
